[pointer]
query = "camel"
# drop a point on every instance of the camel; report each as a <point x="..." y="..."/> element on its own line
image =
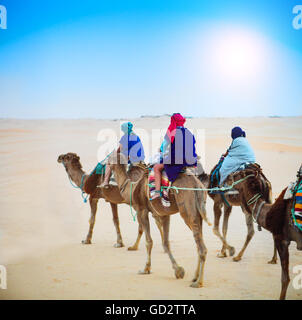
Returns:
<point x="190" y="204"/>
<point x="71" y="162"/>
<point x="227" y="201"/>
<point x="275" y="218"/>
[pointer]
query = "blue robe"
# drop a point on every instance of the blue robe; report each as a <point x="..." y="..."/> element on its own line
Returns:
<point x="239" y="152"/>
<point x="181" y="153"/>
<point x="132" y="147"/>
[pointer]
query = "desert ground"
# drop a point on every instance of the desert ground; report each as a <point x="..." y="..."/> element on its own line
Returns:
<point x="43" y="219"/>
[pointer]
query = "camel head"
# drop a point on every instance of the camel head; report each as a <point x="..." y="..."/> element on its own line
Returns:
<point x="70" y="160"/>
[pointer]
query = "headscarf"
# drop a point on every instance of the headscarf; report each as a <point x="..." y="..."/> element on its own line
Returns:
<point x="127" y="127"/>
<point x="237" y="132"/>
<point x="177" y="120"/>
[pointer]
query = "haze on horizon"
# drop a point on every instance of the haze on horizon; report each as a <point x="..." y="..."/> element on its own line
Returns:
<point x="96" y="59"/>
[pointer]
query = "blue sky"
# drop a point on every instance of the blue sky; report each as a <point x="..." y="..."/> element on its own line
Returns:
<point x="122" y="59"/>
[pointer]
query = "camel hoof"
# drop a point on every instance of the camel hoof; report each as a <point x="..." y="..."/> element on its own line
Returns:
<point x="132" y="248"/>
<point x="86" y="241"/>
<point x="144" y="271"/>
<point x="221" y="255"/>
<point x="196" y="284"/>
<point x="236" y="259"/>
<point x="179" y="273"/>
<point x="232" y="251"/>
<point x="273" y="261"/>
<point x="118" y="245"/>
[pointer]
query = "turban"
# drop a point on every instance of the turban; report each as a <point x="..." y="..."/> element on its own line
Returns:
<point x="237" y="132"/>
<point x="177" y="120"/>
<point x="127" y="127"/>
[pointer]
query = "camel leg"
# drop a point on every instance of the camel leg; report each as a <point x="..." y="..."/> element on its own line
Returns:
<point x="250" y="233"/>
<point x="282" y="247"/>
<point x="226" y="215"/>
<point x="197" y="271"/>
<point x="217" y="215"/>
<point x="195" y="224"/>
<point x="93" y="207"/>
<point x="143" y="218"/>
<point x="160" y="228"/>
<point x="139" y="235"/>
<point x="202" y="253"/>
<point x="179" y="271"/>
<point x="274" y="258"/>
<point x="119" y="242"/>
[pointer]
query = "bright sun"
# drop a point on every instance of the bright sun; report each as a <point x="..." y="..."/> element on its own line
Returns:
<point x="235" y="54"/>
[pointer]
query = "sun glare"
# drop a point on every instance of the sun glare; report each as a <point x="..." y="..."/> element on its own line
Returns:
<point x="235" y="54"/>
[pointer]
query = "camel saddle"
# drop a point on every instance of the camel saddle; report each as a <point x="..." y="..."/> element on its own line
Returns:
<point x="214" y="179"/>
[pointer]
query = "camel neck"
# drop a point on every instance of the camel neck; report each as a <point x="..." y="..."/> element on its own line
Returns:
<point x="76" y="175"/>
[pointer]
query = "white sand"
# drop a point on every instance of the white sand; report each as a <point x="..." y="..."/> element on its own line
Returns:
<point x="43" y="219"/>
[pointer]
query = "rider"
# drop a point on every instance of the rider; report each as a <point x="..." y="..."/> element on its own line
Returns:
<point x="240" y="152"/>
<point x="178" y="151"/>
<point x="130" y="146"/>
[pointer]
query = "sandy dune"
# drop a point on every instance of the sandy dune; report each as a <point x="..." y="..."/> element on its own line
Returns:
<point x="43" y="219"/>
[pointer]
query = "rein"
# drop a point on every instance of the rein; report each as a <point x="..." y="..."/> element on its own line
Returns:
<point x="133" y="216"/>
<point x="255" y="199"/>
<point x="122" y="188"/>
<point x="210" y="189"/>
<point x="78" y="187"/>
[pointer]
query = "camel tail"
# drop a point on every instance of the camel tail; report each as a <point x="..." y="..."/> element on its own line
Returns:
<point x="200" y="204"/>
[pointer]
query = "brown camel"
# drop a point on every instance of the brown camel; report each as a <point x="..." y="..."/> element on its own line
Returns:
<point x="275" y="217"/>
<point x="190" y="204"/>
<point x="227" y="201"/>
<point x="71" y="162"/>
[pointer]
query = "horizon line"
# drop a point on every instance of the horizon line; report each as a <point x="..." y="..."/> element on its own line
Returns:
<point x="147" y="116"/>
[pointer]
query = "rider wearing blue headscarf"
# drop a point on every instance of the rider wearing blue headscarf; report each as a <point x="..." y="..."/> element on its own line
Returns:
<point x="240" y="152"/>
<point x="131" y="146"/>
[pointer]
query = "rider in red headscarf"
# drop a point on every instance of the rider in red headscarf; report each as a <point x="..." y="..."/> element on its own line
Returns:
<point x="181" y="151"/>
<point x="177" y="120"/>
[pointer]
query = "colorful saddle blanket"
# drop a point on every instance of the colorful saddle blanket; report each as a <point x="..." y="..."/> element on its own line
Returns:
<point x="164" y="183"/>
<point x="297" y="208"/>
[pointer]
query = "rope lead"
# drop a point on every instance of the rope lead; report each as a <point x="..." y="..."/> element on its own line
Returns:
<point x="133" y="215"/>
